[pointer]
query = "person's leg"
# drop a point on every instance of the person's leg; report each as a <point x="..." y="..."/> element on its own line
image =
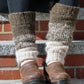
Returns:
<point x="22" y="22"/>
<point x="62" y="23"/>
<point x="70" y="2"/>
<point x="21" y="5"/>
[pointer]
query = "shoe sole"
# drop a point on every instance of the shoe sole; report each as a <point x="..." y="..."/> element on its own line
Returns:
<point x="34" y="82"/>
<point x="61" y="82"/>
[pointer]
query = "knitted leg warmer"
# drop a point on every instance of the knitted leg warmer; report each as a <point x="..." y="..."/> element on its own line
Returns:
<point x="60" y="34"/>
<point x="56" y="52"/>
<point x="23" y="30"/>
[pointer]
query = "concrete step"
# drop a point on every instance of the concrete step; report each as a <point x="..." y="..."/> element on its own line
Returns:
<point x="73" y="81"/>
<point x="7" y="48"/>
<point x="42" y="16"/>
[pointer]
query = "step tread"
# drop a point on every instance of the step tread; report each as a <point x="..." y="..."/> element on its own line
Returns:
<point x="73" y="81"/>
<point x="42" y="16"/>
<point x="7" y="48"/>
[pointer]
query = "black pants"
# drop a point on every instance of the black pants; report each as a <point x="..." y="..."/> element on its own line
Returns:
<point x="36" y="5"/>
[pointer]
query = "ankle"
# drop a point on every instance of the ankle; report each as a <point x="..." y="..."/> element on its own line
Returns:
<point x="26" y="61"/>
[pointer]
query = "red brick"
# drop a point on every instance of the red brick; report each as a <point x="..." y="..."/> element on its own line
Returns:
<point x="80" y="25"/>
<point x="74" y="60"/>
<point x="7" y="26"/>
<point x="81" y="2"/>
<point x="41" y="35"/>
<point x="8" y="61"/>
<point x="70" y="72"/>
<point x="44" y="25"/>
<point x="36" y="25"/>
<point x="80" y="73"/>
<point x="9" y="74"/>
<point x="82" y="5"/>
<point x="38" y="38"/>
<point x="5" y="36"/>
<point x="78" y="35"/>
<point x="41" y="60"/>
<point x="70" y="60"/>
<point x="12" y="74"/>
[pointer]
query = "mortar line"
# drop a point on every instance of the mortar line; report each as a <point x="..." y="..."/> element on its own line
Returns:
<point x="2" y="26"/>
<point x="41" y="31"/>
<point x="69" y="67"/>
<point x="79" y="31"/>
<point x="5" y="32"/>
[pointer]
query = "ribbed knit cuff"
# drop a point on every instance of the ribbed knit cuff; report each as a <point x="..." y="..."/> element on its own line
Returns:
<point x="56" y="52"/>
<point x="30" y="53"/>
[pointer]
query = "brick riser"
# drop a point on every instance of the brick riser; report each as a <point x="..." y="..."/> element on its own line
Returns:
<point x="15" y="75"/>
<point x="74" y="67"/>
<point x="70" y="60"/>
<point x="41" y="28"/>
<point x="81" y="2"/>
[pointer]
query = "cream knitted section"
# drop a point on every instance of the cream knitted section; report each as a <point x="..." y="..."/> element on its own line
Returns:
<point x="30" y="53"/>
<point x="56" y="52"/>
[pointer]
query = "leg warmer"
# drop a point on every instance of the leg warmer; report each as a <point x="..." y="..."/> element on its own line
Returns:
<point x="60" y="34"/>
<point x="23" y="30"/>
<point x="56" y="52"/>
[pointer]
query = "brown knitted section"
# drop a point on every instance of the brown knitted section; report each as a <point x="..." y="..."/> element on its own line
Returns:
<point x="60" y="32"/>
<point x="23" y="29"/>
<point x="61" y="13"/>
<point x="62" y="23"/>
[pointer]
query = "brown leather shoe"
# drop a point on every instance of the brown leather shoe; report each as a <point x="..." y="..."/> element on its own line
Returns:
<point x="30" y="74"/>
<point x="57" y="73"/>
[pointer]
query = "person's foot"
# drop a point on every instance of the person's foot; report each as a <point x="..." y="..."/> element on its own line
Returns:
<point x="57" y="73"/>
<point x="30" y="74"/>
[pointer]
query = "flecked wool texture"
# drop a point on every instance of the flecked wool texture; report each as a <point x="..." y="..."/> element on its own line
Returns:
<point x="23" y="29"/>
<point x="62" y="23"/>
<point x="60" y="33"/>
<point x="24" y="37"/>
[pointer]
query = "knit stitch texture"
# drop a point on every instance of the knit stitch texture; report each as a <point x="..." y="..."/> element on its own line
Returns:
<point x="62" y="23"/>
<point x="23" y="29"/>
<point x="60" y="34"/>
<point x="56" y="52"/>
<point x="24" y="37"/>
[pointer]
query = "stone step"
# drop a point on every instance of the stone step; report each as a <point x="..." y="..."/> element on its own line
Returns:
<point x="42" y="16"/>
<point x="7" y="48"/>
<point x="73" y="81"/>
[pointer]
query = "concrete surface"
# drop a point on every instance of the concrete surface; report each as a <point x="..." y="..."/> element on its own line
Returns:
<point x="41" y="16"/>
<point x="73" y="81"/>
<point x="7" y="48"/>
